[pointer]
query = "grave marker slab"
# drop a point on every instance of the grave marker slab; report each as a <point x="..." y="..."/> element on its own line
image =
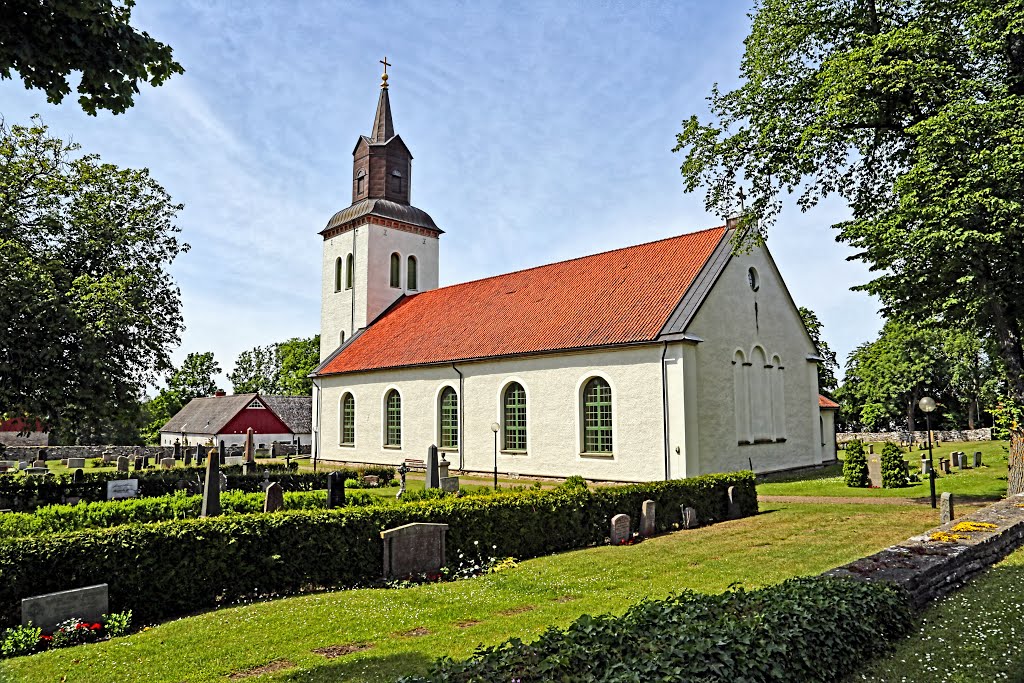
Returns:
<point x="733" y="510"/>
<point x="122" y="463"/>
<point x="76" y="463"/>
<point x="977" y="458"/>
<point x="690" y="520"/>
<point x="122" y="488"/>
<point x="46" y="611"/>
<point x="167" y="463"/>
<point x="647" y="518"/>
<point x="946" y="508"/>
<point x="335" y="490"/>
<point x="621" y="529"/>
<point x="875" y="471"/>
<point x="211" y="489"/>
<point x="414" y="549"/>
<point x="432" y="479"/>
<point x="273" y="499"/>
<point x="450" y="484"/>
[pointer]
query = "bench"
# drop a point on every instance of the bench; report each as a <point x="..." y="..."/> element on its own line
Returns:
<point x="413" y="464"/>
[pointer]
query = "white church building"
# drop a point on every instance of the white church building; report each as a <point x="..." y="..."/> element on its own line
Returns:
<point x="657" y="361"/>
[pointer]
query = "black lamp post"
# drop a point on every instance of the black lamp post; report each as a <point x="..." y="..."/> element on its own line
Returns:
<point x="927" y="404"/>
<point x="494" y="428"/>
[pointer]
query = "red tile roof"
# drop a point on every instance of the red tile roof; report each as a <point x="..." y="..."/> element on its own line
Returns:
<point x="827" y="403"/>
<point x="616" y="297"/>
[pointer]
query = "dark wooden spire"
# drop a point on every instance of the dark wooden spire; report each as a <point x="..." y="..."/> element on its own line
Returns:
<point x="382" y="164"/>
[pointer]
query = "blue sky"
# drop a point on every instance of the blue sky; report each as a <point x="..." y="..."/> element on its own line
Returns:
<point x="541" y="131"/>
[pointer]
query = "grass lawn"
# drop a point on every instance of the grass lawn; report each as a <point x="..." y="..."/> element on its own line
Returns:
<point x="986" y="482"/>
<point x="972" y="636"/>
<point x="404" y="630"/>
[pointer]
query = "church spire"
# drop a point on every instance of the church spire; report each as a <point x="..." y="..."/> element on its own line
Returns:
<point x="383" y="128"/>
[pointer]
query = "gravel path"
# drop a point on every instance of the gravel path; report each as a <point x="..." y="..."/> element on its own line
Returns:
<point x="840" y="500"/>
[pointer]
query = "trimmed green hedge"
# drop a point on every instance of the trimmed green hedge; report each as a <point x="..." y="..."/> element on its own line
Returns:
<point x="205" y="562"/>
<point x="894" y="469"/>
<point x="808" y="630"/>
<point x="855" y="465"/>
<point x="24" y="493"/>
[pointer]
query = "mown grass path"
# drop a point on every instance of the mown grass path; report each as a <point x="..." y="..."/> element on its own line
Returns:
<point x="403" y="630"/>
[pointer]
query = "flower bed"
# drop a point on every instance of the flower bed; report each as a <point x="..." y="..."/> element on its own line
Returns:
<point x="26" y="640"/>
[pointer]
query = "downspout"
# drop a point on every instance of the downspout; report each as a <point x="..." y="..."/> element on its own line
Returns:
<point x="352" y="292"/>
<point x="315" y="446"/>
<point x="664" y="411"/>
<point x="462" y="408"/>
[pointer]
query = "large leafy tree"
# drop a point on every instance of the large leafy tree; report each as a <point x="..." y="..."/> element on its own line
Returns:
<point x="257" y="370"/>
<point x="89" y="313"/>
<point x="912" y="112"/>
<point x="193" y="379"/>
<point x="44" y="42"/>
<point x="281" y="368"/>
<point x="829" y="365"/>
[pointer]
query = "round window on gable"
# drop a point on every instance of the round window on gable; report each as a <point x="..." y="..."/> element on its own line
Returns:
<point x="752" y="279"/>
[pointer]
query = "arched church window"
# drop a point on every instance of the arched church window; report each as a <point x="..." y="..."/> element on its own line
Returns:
<point x="337" y="274"/>
<point x="350" y="271"/>
<point x="360" y="182"/>
<point x="597" y="416"/>
<point x="741" y="395"/>
<point x="393" y="419"/>
<point x="396" y="267"/>
<point x="449" y="418"/>
<point x="760" y="395"/>
<point x="752" y="279"/>
<point x="410" y="274"/>
<point x="396" y="181"/>
<point x="341" y="337"/>
<point x="348" y="420"/>
<point x="514" y="414"/>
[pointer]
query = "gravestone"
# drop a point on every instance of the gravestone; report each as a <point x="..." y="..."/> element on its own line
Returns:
<point x="442" y="468"/>
<point x="43" y="454"/>
<point x="965" y="463"/>
<point x="977" y="458"/>
<point x="122" y="463"/>
<point x="188" y="457"/>
<point x="167" y="463"/>
<point x="46" y="611"/>
<point x="403" y="470"/>
<point x="733" y="510"/>
<point x="955" y="456"/>
<point x="450" y="484"/>
<point x="37" y="470"/>
<point x="223" y="481"/>
<point x="371" y="480"/>
<point x="108" y="457"/>
<point x="690" y="520"/>
<point x="273" y="499"/>
<point x="221" y="453"/>
<point x="944" y="465"/>
<point x="875" y="471"/>
<point x="946" y="508"/>
<point x="23" y="465"/>
<point x="145" y="461"/>
<point x="416" y="548"/>
<point x="249" y="453"/>
<point x="122" y="488"/>
<point x="335" y="490"/>
<point x="432" y="480"/>
<point x="647" y="518"/>
<point x="63" y="462"/>
<point x="211" y="489"/>
<point x="177" y="450"/>
<point x="234" y="460"/>
<point x="42" y="463"/>
<point x="620" y="531"/>
<point x="266" y="480"/>
<point x="871" y="449"/>
<point x="78" y="476"/>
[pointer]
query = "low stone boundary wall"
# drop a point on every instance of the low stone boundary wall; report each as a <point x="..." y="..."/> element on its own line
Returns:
<point x="31" y="453"/>
<point x="919" y="436"/>
<point x="929" y="569"/>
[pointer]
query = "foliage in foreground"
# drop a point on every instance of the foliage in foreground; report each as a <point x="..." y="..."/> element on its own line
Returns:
<point x="25" y="640"/>
<point x="855" y="466"/>
<point x="206" y="562"/>
<point x="894" y="467"/>
<point x="810" y="629"/>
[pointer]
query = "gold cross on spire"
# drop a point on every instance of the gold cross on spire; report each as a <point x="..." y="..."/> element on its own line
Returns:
<point x="384" y="78"/>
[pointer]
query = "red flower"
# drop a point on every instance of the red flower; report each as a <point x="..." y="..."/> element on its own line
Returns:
<point x="46" y="637"/>
<point x="96" y="627"/>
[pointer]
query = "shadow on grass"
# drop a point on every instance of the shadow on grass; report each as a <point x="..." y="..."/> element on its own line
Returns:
<point x="365" y="669"/>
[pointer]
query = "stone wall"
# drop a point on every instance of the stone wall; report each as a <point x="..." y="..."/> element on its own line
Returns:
<point x="929" y="569"/>
<point x="919" y="436"/>
<point x="31" y="453"/>
<point x="30" y="439"/>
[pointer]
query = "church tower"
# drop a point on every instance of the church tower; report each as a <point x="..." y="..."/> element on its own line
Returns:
<point x="381" y="247"/>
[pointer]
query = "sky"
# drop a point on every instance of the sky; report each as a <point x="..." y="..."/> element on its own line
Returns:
<point x="541" y="131"/>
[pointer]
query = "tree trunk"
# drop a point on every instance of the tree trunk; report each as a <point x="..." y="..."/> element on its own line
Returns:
<point x="972" y="412"/>
<point x="911" y="404"/>
<point x="1011" y="351"/>
<point x="1015" y="479"/>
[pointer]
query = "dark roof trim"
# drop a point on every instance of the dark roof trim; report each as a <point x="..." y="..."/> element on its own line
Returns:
<point x="699" y="289"/>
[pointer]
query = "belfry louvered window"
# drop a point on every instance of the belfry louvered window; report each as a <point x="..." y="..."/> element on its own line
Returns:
<point x="449" y="418"/>
<point x="393" y="430"/>
<point x="597" y="417"/>
<point x="515" y="417"/>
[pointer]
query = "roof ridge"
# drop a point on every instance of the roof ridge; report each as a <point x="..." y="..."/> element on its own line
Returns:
<point x="568" y="260"/>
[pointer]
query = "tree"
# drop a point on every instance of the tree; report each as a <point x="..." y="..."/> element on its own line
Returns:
<point x="829" y="366"/>
<point x="299" y="357"/>
<point x="44" y="42"/>
<point x="887" y="377"/>
<point x="974" y="378"/>
<point x="257" y="370"/>
<point x="193" y="379"/>
<point x="89" y="313"/>
<point x="912" y="112"/>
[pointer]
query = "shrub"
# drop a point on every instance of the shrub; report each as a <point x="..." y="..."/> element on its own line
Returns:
<point x="894" y="469"/>
<point x="573" y="482"/>
<point x="810" y="630"/>
<point x="352" y="484"/>
<point x="19" y="640"/>
<point x="855" y="465"/>
<point x="206" y="562"/>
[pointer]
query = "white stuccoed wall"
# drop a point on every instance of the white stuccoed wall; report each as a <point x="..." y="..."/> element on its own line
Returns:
<point x="372" y="292"/>
<point x="726" y="323"/>
<point x="828" y="435"/>
<point x="553" y="385"/>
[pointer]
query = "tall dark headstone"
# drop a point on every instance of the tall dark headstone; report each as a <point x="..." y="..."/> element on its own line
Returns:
<point x="177" y="450"/>
<point x="138" y="463"/>
<point x="273" y="498"/>
<point x="433" y="476"/>
<point x="335" y="490"/>
<point x="211" y="491"/>
<point x="221" y="454"/>
<point x="250" y="447"/>
<point x="78" y="477"/>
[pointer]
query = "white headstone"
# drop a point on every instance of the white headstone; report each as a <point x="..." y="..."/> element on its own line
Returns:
<point x="122" y="488"/>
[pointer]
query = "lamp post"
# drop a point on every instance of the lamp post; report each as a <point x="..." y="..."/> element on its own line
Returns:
<point x="494" y="428"/>
<point x="927" y="404"/>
